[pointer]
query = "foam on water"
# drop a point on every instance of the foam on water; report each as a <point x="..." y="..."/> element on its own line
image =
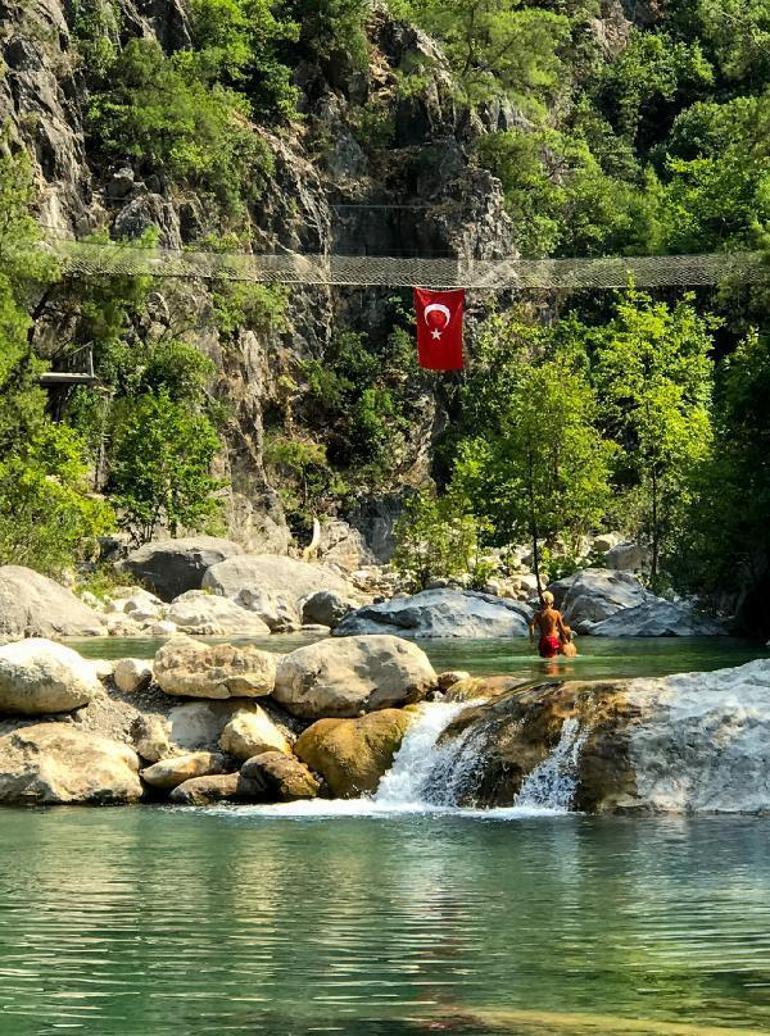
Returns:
<point x="553" y="782"/>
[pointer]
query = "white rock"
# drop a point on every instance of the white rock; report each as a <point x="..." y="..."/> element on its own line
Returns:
<point x="161" y="629"/>
<point x="38" y="676"/>
<point x="346" y="676"/>
<point x="204" y="614"/>
<point x="51" y="763"/>
<point x="32" y="605"/>
<point x="132" y="674"/>
<point x="189" y="669"/>
<point x="251" y="733"/>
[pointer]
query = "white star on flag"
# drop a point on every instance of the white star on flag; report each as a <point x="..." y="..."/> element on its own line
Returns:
<point x="435" y="333"/>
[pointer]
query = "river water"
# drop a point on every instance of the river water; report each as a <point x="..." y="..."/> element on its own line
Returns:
<point x="398" y="915"/>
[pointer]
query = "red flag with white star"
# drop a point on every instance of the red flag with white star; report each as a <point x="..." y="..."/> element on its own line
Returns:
<point x="439" y="328"/>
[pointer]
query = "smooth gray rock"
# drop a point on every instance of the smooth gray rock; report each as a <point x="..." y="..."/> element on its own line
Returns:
<point x="171" y="567"/>
<point x="440" y="613"/>
<point x="657" y="618"/>
<point x="326" y="608"/>
<point x="32" y="605"/>
<point x="595" y="594"/>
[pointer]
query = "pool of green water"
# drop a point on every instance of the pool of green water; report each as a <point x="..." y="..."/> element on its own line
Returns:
<point x="599" y="657"/>
<point x="154" y="921"/>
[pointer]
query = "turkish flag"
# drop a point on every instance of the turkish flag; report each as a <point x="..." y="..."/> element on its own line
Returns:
<point x="439" y="328"/>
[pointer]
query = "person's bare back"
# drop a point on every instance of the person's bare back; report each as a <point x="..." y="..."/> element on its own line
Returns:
<point x="553" y="632"/>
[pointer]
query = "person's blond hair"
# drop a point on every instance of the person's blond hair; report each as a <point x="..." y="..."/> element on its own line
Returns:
<point x="547" y="598"/>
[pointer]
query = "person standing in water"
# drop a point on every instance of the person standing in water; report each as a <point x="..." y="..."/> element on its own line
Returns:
<point x="553" y="632"/>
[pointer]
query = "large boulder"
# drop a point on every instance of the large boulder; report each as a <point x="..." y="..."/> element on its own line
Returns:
<point x="594" y="594"/>
<point x="171" y="567"/>
<point x="440" y="613"/>
<point x="280" y="777"/>
<point x="340" y="544"/>
<point x="627" y="557"/>
<point x="250" y="733"/>
<point x="32" y="605"/>
<point x="52" y="763"/>
<point x="255" y="580"/>
<point x="199" y="724"/>
<point x="171" y="772"/>
<point x="657" y="618"/>
<point x="353" y="675"/>
<point x="38" y="676"/>
<point x="694" y="742"/>
<point x="203" y="614"/>
<point x="189" y="669"/>
<point x="352" y="755"/>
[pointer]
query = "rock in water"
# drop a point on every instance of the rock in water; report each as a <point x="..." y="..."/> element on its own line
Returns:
<point x="171" y="567"/>
<point x="204" y="791"/>
<point x="260" y="577"/>
<point x="132" y="675"/>
<point x="38" y="676"/>
<point x="657" y="618"/>
<point x="52" y="763"/>
<point x="352" y="755"/>
<point x="205" y="615"/>
<point x="280" y="777"/>
<point x="440" y="613"/>
<point x="32" y="605"/>
<point x="251" y="733"/>
<point x="151" y="737"/>
<point x="695" y="742"/>
<point x="169" y="773"/>
<point x="346" y="677"/>
<point x="188" y="669"/>
<point x="594" y="594"/>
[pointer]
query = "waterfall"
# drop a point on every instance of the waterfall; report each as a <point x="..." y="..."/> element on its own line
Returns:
<point x="552" y="784"/>
<point x="407" y="781"/>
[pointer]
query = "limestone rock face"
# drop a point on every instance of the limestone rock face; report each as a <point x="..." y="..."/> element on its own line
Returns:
<point x="280" y="777"/>
<point x="171" y="567"/>
<point x="169" y="773"/>
<point x="38" y="676"/>
<point x="346" y="677"/>
<point x="352" y="755"/>
<point x="204" y="791"/>
<point x="245" y="579"/>
<point x="188" y="669"/>
<point x="440" y="613"/>
<point x="251" y="733"/>
<point x="326" y="608"/>
<point x="52" y="763"/>
<point x="202" y="614"/>
<point x="343" y="545"/>
<point x="132" y="675"/>
<point x="32" y="605"/>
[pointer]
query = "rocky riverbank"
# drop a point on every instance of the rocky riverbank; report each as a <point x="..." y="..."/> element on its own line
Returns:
<point x="205" y="723"/>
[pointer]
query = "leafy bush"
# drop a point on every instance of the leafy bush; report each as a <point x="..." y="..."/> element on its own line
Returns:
<point x="436" y="537"/>
<point x="155" y="111"/>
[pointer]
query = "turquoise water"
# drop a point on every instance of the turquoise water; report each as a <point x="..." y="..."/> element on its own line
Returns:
<point x="599" y="657"/>
<point x="152" y="921"/>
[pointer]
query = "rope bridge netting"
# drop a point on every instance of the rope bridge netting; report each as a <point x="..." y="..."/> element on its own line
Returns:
<point x="85" y="259"/>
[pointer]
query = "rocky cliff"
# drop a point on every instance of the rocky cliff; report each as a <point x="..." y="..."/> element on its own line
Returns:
<point x="333" y="187"/>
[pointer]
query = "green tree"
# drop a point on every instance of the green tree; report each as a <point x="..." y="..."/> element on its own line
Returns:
<point x="436" y="537"/>
<point x="654" y="379"/>
<point x="161" y="464"/>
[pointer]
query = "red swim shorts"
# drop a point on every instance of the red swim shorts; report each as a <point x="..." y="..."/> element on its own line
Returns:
<point x="549" y="646"/>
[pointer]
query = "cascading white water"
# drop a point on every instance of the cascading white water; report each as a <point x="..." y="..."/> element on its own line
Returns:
<point x="552" y="784"/>
<point x="406" y="781"/>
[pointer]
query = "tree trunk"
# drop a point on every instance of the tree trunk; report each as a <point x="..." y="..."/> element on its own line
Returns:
<point x="655" y="531"/>
<point x="533" y="524"/>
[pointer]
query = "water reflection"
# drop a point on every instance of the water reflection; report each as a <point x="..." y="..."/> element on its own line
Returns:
<point x="153" y="921"/>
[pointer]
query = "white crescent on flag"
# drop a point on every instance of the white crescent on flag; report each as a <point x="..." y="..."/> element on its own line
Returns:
<point x="438" y="307"/>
